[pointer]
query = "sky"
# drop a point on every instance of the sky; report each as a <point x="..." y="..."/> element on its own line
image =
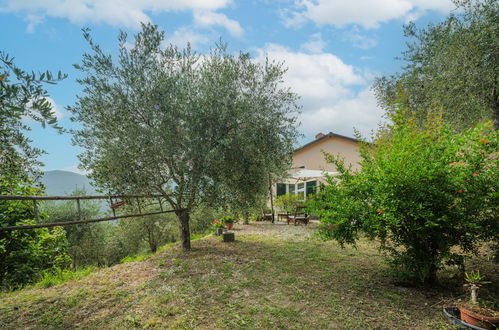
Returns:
<point x="333" y="49"/>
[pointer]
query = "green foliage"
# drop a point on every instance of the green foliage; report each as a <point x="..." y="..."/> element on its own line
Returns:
<point x="421" y="193"/>
<point x="217" y="223"/>
<point x="26" y="254"/>
<point x="201" y="218"/>
<point x="59" y="276"/>
<point x="196" y="129"/>
<point x="452" y="66"/>
<point x="86" y="241"/>
<point x="154" y="230"/>
<point x="475" y="278"/>
<point x="288" y="202"/>
<point x="22" y="94"/>
<point x="228" y="219"/>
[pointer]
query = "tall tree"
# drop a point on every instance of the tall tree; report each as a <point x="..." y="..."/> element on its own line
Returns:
<point x="169" y="121"/>
<point x="453" y="66"/>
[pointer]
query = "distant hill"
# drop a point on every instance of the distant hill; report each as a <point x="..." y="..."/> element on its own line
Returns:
<point x="61" y="183"/>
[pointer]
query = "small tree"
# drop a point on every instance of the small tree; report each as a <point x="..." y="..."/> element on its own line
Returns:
<point x="420" y="192"/>
<point x="167" y="121"/>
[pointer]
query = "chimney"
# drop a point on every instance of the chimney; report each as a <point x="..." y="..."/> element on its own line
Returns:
<point x="319" y="135"/>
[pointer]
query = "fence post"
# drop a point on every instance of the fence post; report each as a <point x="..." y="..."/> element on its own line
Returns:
<point x="35" y="210"/>
<point x="79" y="208"/>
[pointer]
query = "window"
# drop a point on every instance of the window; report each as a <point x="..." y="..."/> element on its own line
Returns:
<point x="311" y="187"/>
<point x="281" y="189"/>
<point x="300" y="190"/>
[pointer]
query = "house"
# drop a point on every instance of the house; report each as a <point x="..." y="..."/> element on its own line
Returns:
<point x="309" y="164"/>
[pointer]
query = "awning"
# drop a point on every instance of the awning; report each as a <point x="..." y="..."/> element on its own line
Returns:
<point x="305" y="174"/>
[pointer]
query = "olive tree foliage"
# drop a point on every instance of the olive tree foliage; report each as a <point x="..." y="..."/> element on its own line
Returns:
<point x="165" y="120"/>
<point x="452" y="65"/>
<point x="26" y="254"/>
<point x="22" y="95"/>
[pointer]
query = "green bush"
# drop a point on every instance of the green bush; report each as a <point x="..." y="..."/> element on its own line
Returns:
<point x="421" y="193"/>
<point x="26" y="254"/>
<point x="288" y="202"/>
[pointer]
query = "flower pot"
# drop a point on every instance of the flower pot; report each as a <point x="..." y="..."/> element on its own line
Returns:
<point x="229" y="225"/>
<point x="485" y="322"/>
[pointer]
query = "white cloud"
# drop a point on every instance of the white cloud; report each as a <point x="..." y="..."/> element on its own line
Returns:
<point x="359" y="111"/>
<point x="186" y="34"/>
<point x="335" y="96"/>
<point x="367" y="13"/>
<point x="209" y="18"/>
<point x="123" y="13"/>
<point x="315" y="44"/>
<point x="33" y="21"/>
<point x="358" y="39"/>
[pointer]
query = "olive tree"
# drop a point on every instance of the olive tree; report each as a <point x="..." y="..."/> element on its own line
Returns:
<point x="158" y="119"/>
<point x="452" y="65"/>
<point x="22" y="94"/>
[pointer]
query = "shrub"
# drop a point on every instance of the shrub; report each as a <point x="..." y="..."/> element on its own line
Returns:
<point x="420" y="193"/>
<point x="26" y="254"/>
<point x="288" y="202"/>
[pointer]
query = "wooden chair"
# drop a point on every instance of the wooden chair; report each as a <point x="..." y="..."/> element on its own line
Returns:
<point x="299" y="216"/>
<point x="284" y="215"/>
<point x="266" y="215"/>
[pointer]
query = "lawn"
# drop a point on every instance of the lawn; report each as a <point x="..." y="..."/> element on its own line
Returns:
<point x="273" y="276"/>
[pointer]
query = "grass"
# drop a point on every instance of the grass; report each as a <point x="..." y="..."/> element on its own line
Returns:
<point x="259" y="281"/>
<point x="62" y="276"/>
<point x="147" y="255"/>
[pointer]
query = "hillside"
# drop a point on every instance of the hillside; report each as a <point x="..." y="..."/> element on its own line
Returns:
<point x="273" y="276"/>
<point x="60" y="183"/>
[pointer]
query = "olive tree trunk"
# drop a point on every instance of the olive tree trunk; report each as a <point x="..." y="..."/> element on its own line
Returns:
<point x="185" y="234"/>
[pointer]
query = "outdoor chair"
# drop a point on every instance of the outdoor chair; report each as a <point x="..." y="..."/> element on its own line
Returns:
<point x="299" y="216"/>
<point x="267" y="215"/>
<point x="284" y="215"/>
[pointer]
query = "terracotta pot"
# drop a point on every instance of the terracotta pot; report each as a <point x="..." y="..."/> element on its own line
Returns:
<point x="229" y="226"/>
<point x="486" y="322"/>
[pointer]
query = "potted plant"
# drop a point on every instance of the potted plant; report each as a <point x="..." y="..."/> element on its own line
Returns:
<point x="218" y="226"/>
<point x="472" y="312"/>
<point x="228" y="220"/>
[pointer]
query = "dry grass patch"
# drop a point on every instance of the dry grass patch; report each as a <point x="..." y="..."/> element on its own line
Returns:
<point x="262" y="280"/>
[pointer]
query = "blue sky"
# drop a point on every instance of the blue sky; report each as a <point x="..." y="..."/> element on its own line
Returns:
<point x="333" y="48"/>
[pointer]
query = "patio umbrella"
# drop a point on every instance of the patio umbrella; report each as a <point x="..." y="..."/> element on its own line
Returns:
<point x="305" y="174"/>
